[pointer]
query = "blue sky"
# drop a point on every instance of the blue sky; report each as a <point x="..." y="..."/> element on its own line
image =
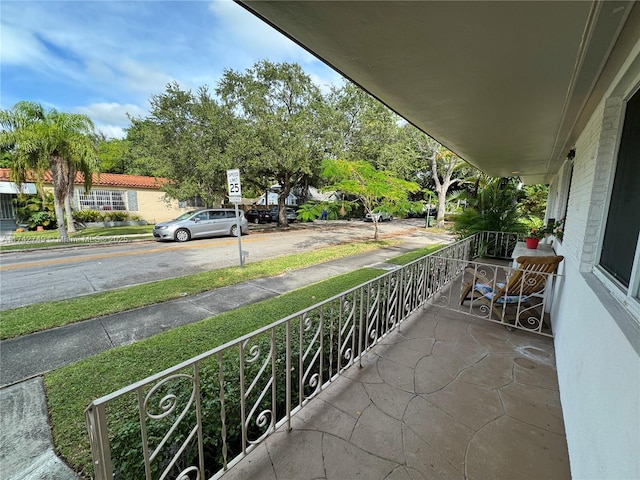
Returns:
<point x="107" y="58"/>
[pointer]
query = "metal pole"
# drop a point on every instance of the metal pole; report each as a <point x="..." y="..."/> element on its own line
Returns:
<point x="239" y="235"/>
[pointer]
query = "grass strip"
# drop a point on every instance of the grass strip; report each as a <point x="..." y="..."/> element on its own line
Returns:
<point x="71" y="389"/>
<point x="86" y="236"/>
<point x="43" y="316"/>
<point x="85" y="232"/>
<point x="414" y="255"/>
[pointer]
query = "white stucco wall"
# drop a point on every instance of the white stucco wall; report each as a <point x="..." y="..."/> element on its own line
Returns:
<point x="599" y="378"/>
<point x="596" y="339"/>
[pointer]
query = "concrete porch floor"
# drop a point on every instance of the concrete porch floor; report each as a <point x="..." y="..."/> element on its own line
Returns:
<point x="445" y="396"/>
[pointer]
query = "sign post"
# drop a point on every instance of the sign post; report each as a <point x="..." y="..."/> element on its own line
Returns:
<point x="235" y="197"/>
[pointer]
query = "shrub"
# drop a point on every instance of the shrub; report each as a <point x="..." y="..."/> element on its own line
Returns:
<point x="87" y="216"/>
<point x="34" y="211"/>
<point x="118" y="216"/>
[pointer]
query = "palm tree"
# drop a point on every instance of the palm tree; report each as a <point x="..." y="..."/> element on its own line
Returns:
<point x="42" y="140"/>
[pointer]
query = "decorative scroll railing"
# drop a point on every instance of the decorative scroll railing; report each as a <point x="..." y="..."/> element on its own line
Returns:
<point x="197" y="419"/>
<point x="517" y="298"/>
<point x="495" y="244"/>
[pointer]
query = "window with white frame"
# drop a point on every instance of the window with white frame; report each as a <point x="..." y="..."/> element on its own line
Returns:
<point x="102" y="200"/>
<point x="620" y="254"/>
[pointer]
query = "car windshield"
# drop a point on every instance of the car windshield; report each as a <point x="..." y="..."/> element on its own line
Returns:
<point x="186" y="215"/>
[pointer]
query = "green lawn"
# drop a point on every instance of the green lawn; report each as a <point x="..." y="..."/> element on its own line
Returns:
<point x="414" y="255"/>
<point x="34" y="318"/>
<point x="86" y="236"/>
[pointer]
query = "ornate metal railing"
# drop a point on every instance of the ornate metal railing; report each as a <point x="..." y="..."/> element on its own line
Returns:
<point x="508" y="294"/>
<point x="197" y="419"/>
<point x="495" y="244"/>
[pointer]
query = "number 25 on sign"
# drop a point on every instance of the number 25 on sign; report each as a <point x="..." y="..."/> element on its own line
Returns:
<point x="233" y="182"/>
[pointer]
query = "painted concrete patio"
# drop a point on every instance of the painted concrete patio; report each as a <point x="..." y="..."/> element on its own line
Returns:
<point x="446" y="396"/>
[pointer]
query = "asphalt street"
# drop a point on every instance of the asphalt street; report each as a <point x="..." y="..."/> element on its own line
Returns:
<point x="29" y="277"/>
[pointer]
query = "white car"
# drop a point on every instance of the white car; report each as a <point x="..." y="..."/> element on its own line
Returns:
<point x="378" y="217"/>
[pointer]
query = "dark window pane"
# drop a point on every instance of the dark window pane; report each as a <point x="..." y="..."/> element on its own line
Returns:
<point x="623" y="220"/>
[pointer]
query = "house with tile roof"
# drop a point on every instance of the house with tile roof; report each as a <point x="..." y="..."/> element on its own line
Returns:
<point x="137" y="195"/>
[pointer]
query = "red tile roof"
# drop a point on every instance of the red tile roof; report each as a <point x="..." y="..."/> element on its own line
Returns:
<point x="106" y="179"/>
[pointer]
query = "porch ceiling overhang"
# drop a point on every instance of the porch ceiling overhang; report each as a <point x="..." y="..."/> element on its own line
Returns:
<point x="502" y="84"/>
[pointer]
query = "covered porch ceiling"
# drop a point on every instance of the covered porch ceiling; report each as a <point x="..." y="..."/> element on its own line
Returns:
<point x="502" y="84"/>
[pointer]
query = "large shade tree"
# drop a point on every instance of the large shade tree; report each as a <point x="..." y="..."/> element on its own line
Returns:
<point x="42" y="140"/>
<point x="185" y="139"/>
<point x="362" y="128"/>
<point x="285" y="118"/>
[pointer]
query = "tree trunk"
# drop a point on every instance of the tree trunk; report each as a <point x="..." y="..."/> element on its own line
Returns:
<point x="441" y="209"/>
<point x="285" y="190"/>
<point x="71" y="228"/>
<point x="71" y="175"/>
<point x="59" y="173"/>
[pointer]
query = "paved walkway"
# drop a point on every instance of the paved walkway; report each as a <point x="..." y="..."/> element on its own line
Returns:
<point x="26" y="446"/>
<point x="30" y="356"/>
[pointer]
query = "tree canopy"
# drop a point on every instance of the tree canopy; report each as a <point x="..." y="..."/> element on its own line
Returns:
<point x="186" y="139"/>
<point x="283" y="115"/>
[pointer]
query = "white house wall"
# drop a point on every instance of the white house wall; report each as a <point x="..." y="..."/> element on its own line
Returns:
<point x="597" y="339"/>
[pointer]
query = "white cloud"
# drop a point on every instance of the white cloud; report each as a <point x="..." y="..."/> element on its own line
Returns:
<point x="112" y="56"/>
<point x="19" y="47"/>
<point x="251" y="36"/>
<point x="111" y="131"/>
<point x="143" y="78"/>
<point x="111" y="117"/>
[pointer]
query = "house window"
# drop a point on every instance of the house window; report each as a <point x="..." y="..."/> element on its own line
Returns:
<point x="619" y="256"/>
<point x="101" y="200"/>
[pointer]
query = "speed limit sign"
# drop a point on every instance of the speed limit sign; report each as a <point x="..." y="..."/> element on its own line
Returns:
<point x="233" y="183"/>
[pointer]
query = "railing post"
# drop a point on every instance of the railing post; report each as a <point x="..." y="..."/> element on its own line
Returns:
<point x="196" y="386"/>
<point x="288" y="374"/>
<point x="360" y="327"/>
<point x="96" y="420"/>
<point x="223" y="412"/>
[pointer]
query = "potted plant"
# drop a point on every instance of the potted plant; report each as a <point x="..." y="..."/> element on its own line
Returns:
<point x="533" y="238"/>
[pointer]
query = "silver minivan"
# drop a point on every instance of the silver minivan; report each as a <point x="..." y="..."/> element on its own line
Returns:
<point x="201" y="223"/>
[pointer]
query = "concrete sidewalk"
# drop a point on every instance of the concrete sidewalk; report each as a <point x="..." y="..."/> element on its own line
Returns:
<point x="28" y="357"/>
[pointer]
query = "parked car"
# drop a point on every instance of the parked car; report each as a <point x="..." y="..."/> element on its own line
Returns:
<point x="416" y="214"/>
<point x="378" y="216"/>
<point x="289" y="212"/>
<point x="201" y="223"/>
<point x="258" y="216"/>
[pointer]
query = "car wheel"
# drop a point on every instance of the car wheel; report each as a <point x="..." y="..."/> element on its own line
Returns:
<point x="256" y="220"/>
<point x="234" y="231"/>
<point x="182" y="235"/>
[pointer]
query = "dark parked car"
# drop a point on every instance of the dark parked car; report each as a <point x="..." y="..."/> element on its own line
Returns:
<point x="290" y="213"/>
<point x="201" y="223"/>
<point x="258" y="216"/>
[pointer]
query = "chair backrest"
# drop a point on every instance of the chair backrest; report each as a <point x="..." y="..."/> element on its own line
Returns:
<point x="531" y="275"/>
